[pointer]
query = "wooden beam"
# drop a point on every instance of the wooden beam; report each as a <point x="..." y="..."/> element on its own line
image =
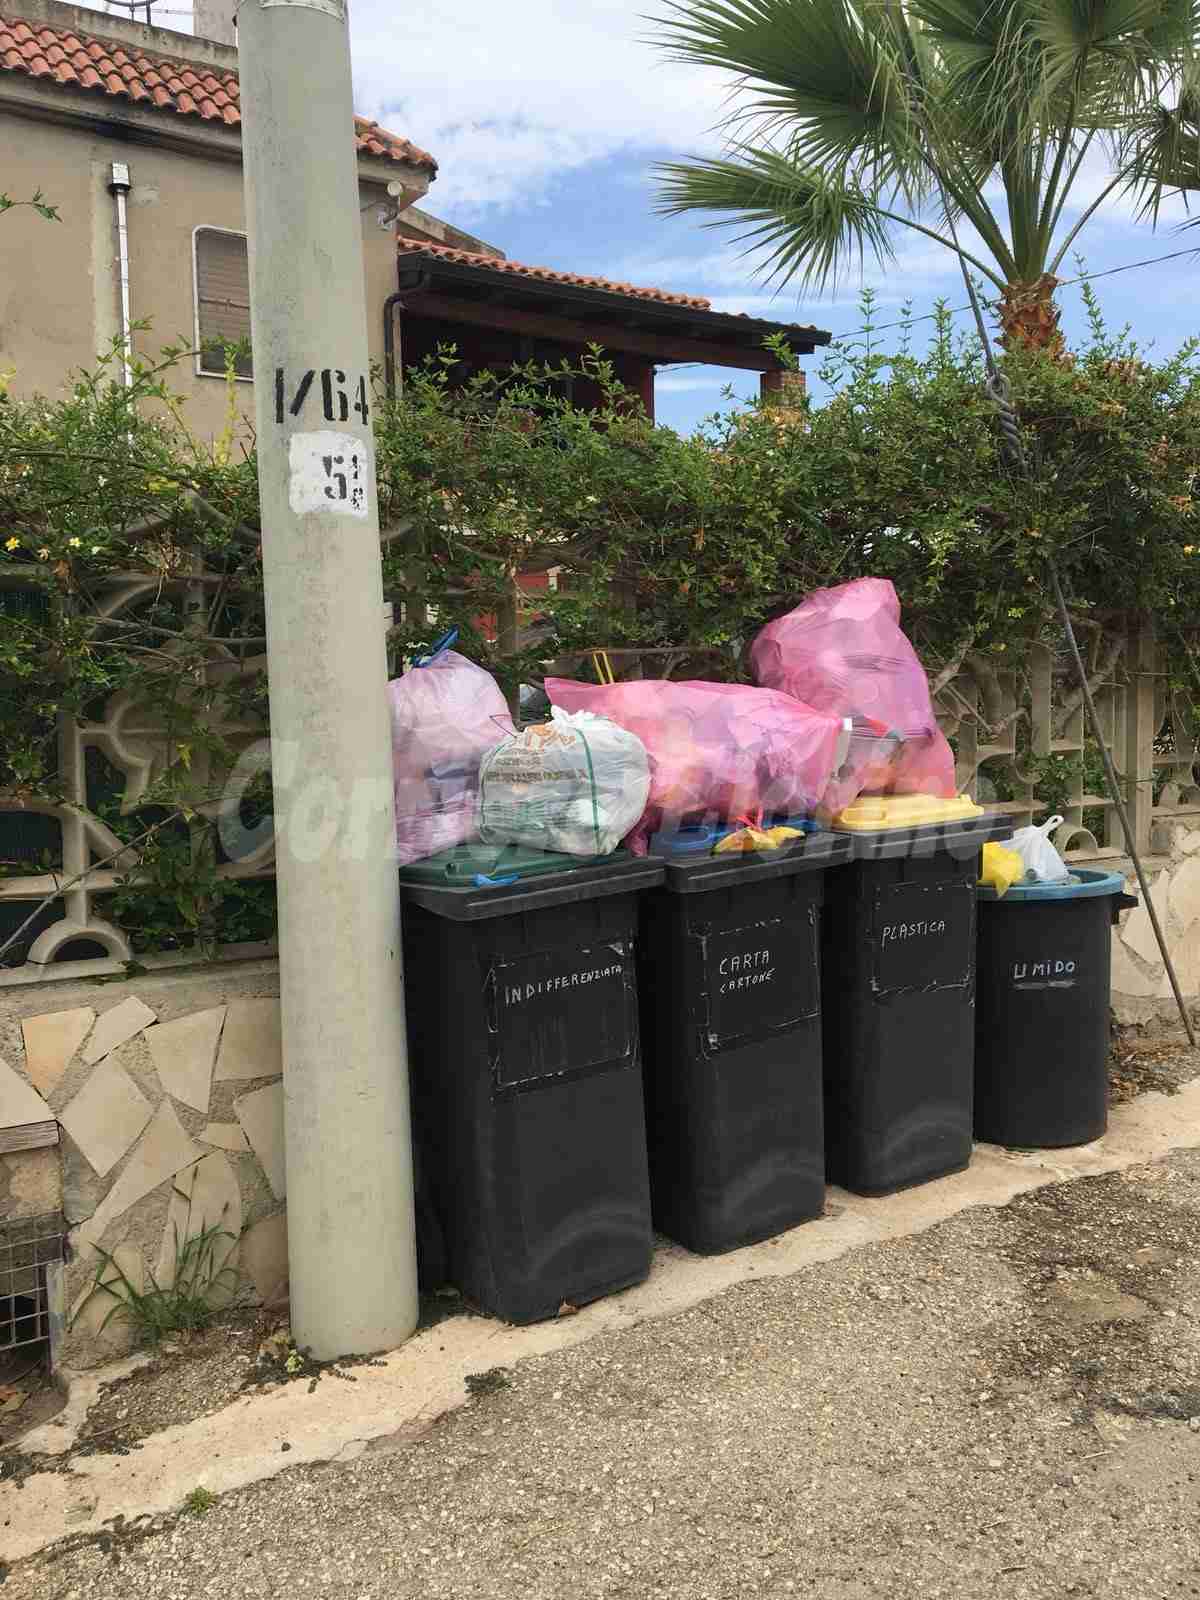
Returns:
<point x="658" y="347"/>
<point x="30" y="1136"/>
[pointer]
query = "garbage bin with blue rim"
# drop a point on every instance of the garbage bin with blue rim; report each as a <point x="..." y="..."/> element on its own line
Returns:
<point x="899" y="990"/>
<point x="1042" y="1012"/>
<point x="525" y="1060"/>
<point x="731" y="1025"/>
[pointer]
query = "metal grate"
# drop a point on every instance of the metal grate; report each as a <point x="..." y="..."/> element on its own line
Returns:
<point x="27" y="1246"/>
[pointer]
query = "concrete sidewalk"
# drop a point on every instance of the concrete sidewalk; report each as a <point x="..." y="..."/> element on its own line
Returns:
<point x="881" y="1403"/>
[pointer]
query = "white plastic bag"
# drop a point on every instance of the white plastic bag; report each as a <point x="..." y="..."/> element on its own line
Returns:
<point x="1043" y="864"/>
<point x="576" y="784"/>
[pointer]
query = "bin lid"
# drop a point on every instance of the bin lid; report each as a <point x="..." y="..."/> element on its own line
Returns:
<point x="479" y="865"/>
<point x="871" y="813"/>
<point x="811" y="853"/>
<point x="962" y="837"/>
<point x="471" y="901"/>
<point x="1085" y="883"/>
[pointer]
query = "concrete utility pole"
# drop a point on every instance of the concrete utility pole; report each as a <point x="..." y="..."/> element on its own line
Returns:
<point x="351" y="1240"/>
<point x="215" y="20"/>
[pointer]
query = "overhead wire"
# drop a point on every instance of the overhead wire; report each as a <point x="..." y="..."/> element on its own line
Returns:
<point x="1063" y="283"/>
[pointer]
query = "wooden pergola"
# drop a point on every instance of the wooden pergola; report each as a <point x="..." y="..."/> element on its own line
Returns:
<point x="499" y="313"/>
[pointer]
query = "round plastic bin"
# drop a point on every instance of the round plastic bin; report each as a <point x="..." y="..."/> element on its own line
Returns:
<point x="1042" y="1010"/>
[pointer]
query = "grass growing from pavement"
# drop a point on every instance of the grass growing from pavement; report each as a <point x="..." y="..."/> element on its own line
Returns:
<point x="202" y="1282"/>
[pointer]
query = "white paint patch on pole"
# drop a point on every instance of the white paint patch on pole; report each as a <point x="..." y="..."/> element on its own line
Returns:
<point x="328" y="472"/>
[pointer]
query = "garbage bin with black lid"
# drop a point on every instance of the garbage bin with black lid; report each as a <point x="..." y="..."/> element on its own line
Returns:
<point x="526" y="1072"/>
<point x="899" y="991"/>
<point x="731" y="1020"/>
<point x="1042" y="1016"/>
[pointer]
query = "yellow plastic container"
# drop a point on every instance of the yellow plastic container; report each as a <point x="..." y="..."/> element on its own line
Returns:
<point x="871" y="813"/>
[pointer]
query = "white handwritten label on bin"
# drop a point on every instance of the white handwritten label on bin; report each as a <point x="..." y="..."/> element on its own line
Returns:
<point x="762" y="979"/>
<point x="924" y="936"/>
<point x="328" y="472"/>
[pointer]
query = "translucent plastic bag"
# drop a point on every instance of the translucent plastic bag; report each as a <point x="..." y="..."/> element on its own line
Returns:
<point x="842" y="651"/>
<point x="446" y="715"/>
<point x="1043" y="864"/>
<point x="576" y="784"/>
<point x="718" y="751"/>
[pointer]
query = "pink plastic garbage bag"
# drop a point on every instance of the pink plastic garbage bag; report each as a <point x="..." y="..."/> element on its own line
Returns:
<point x="842" y="651"/>
<point x="718" y="751"/>
<point x="446" y="716"/>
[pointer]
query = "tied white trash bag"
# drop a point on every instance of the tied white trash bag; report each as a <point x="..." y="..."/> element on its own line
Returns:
<point x="576" y="784"/>
<point x="1043" y="864"/>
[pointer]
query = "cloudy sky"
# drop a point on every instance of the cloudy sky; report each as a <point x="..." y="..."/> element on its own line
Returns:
<point x="546" y="117"/>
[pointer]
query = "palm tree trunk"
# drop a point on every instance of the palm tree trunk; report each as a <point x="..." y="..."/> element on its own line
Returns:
<point x="1028" y="316"/>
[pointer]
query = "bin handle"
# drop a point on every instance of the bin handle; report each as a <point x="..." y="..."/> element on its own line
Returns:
<point x="1123" y="902"/>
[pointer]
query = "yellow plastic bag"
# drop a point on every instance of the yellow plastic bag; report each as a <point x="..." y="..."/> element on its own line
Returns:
<point x="1001" y="868"/>
<point x="755" y="839"/>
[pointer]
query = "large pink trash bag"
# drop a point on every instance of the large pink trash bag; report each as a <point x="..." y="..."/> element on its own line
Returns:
<point x="446" y="716"/>
<point x="842" y="651"/>
<point x="718" y="751"/>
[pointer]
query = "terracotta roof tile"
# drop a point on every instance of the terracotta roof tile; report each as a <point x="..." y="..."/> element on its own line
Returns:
<point x="469" y="258"/>
<point x="78" y="61"/>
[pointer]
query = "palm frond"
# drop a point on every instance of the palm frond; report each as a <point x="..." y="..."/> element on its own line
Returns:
<point x="802" y="226"/>
<point x="1113" y="55"/>
<point x="826" y="70"/>
<point x="1161" y="153"/>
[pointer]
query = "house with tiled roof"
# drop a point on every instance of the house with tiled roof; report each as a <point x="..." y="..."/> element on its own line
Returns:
<point x="111" y="120"/>
<point x="133" y="133"/>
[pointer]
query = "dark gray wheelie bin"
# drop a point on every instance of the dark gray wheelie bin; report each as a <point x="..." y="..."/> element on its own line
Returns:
<point x="731" y="1024"/>
<point x="526" y="1069"/>
<point x="899" y="1002"/>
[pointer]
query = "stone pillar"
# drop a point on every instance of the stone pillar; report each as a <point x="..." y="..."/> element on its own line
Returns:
<point x="783" y="389"/>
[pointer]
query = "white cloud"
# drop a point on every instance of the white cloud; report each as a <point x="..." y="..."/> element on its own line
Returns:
<point x="511" y="97"/>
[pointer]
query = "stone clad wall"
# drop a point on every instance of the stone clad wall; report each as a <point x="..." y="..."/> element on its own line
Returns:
<point x="1141" y="987"/>
<point x="168" y="1092"/>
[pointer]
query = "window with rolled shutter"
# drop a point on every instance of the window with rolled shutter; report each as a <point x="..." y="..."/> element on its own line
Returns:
<point x="222" y="301"/>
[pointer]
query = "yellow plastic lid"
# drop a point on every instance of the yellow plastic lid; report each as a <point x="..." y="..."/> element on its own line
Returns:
<point x="871" y="813"/>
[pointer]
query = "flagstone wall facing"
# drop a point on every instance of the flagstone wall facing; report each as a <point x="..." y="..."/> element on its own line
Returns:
<point x="167" y="1094"/>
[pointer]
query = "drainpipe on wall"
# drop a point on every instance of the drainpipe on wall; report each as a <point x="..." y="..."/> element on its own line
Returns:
<point x="119" y="185"/>
<point x="389" y="343"/>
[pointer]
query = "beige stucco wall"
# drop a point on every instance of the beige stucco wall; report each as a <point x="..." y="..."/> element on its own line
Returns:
<point x="59" y="290"/>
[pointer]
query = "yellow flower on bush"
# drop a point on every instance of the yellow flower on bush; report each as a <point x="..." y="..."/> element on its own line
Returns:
<point x="1189" y="549"/>
<point x="74" y="543"/>
<point x="12" y="544"/>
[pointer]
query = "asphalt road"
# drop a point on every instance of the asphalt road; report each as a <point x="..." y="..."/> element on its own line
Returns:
<point x="1007" y="1405"/>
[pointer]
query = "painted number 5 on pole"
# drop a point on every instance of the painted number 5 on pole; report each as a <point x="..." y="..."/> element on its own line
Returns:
<point x="327" y="471"/>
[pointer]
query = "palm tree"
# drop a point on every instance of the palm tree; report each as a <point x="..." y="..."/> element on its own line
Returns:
<point x="854" y="120"/>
